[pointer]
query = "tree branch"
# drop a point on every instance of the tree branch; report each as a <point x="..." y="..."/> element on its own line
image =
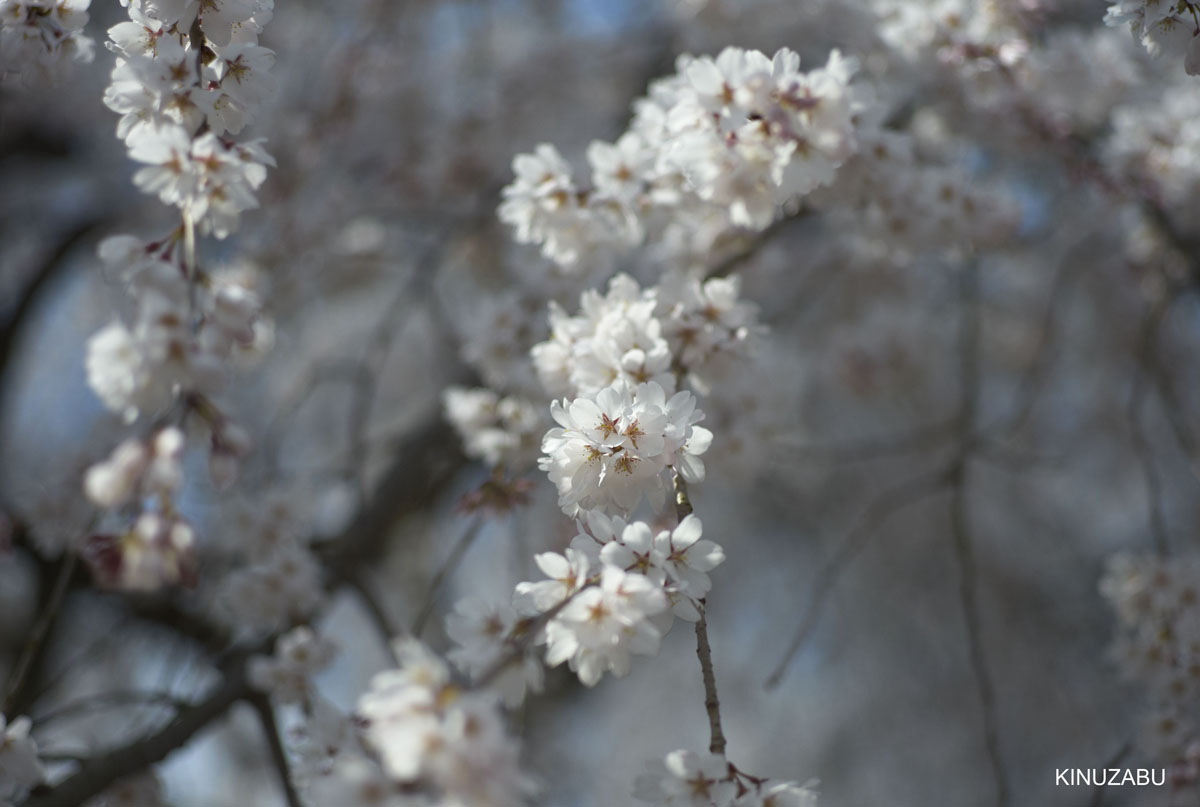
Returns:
<point x="712" y="703"/>
<point x="964" y="554"/>
<point x="266" y="717"/>
<point x="17" y="697"/>
<point x="109" y="700"/>
<point x="894" y="499"/>
<point x="42" y="276"/>
<point x="98" y="773"/>
<point x="375" y="610"/>
<point x="969" y="379"/>
<point x="452" y="562"/>
<point x="425" y="462"/>
<point x="1148" y="336"/>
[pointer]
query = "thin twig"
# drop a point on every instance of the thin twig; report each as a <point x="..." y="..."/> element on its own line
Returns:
<point x="1148" y="337"/>
<point x="266" y="717"/>
<point x="712" y="703"/>
<point x="960" y="527"/>
<point x="754" y="243"/>
<point x="424" y="464"/>
<point x="417" y="288"/>
<point x="964" y="555"/>
<point x="1007" y="457"/>
<point x="41" y="278"/>
<point x="78" y="660"/>
<point x="1038" y="371"/>
<point x="189" y="266"/>
<point x="342" y="371"/>
<point x="1188" y="441"/>
<point x="109" y="700"/>
<point x="525" y="633"/>
<point x="452" y="562"/>
<point x="848" y="547"/>
<point x="1145" y="456"/>
<point x="14" y="695"/>
<point x="97" y="774"/>
<point x="375" y="610"/>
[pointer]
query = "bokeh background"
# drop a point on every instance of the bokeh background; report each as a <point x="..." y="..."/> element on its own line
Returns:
<point x="388" y="276"/>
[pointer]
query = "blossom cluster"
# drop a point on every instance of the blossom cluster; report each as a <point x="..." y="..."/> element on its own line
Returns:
<point x="497" y="335"/>
<point x="286" y="675"/>
<point x="436" y="737"/>
<point x="611" y="595"/>
<point x="1168" y="28"/>
<point x="1157" y="604"/>
<point x="176" y="355"/>
<point x="500" y="431"/>
<point x="1153" y="144"/>
<point x="715" y="150"/>
<point x="189" y="326"/>
<point x="688" y="779"/>
<point x="686" y="331"/>
<point x="677" y="561"/>
<point x="36" y="35"/>
<point x="331" y="763"/>
<point x="186" y="74"/>
<point x="912" y="205"/>
<point x="157" y="547"/>
<point x="626" y="429"/>
<point x="354" y="779"/>
<point x="947" y="28"/>
<point x="612" y="448"/>
<point x="275" y="580"/>
<point x="684" y="325"/>
<point x="717" y="147"/>
<point x="1078" y="77"/>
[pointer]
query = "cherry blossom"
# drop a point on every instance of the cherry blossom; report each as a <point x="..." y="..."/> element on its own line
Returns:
<point x="426" y="730"/>
<point x="299" y="655"/>
<point x="38" y="36"/>
<point x="602" y="626"/>
<point x="612" y="450"/>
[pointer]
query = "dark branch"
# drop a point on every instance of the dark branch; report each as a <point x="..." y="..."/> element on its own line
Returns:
<point x="456" y="556"/>
<point x="98" y="773"/>
<point x="266" y="717"/>
<point x="712" y="703"/>
<point x="41" y="277"/>
<point x="18" y="696"/>
<point x="1148" y="338"/>
<point x="960" y="528"/>
<point x="894" y="499"/>
<point x="968" y="598"/>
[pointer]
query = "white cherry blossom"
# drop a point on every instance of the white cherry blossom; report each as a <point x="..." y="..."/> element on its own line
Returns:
<point x="38" y="36"/>
<point x="612" y="450"/>
<point x="603" y="625"/>
<point x="299" y="655"/>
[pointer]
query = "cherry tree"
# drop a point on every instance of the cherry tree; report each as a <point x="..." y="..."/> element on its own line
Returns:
<point x="380" y="399"/>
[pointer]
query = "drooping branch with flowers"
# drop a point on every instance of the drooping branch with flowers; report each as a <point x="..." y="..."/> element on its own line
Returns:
<point x="403" y="450"/>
